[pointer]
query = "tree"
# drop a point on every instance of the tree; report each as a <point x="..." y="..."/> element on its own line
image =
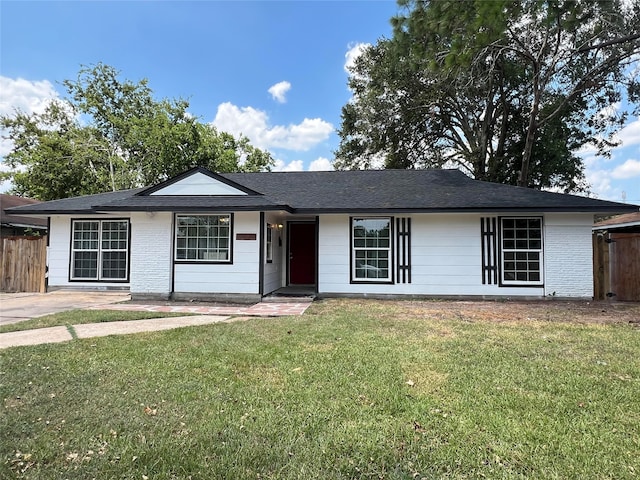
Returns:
<point x="507" y="91"/>
<point x="110" y="135"/>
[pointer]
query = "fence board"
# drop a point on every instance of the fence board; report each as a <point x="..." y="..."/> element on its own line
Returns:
<point x="599" y="267"/>
<point x="625" y="266"/>
<point x="23" y="261"/>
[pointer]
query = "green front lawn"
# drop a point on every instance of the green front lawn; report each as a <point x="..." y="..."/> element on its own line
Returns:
<point x="351" y="389"/>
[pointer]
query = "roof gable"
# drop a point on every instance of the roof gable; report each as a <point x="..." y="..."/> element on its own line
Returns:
<point x="198" y="182"/>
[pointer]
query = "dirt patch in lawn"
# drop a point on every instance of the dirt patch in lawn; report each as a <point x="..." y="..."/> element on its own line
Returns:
<point x="549" y="311"/>
<point x="503" y="311"/>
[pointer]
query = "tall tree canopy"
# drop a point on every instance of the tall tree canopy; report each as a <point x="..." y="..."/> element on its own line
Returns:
<point x="505" y="90"/>
<point x="111" y="134"/>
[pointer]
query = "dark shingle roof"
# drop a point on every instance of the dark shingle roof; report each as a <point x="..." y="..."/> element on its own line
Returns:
<point x="193" y="203"/>
<point x="345" y="191"/>
<point x="409" y="190"/>
<point x="77" y="205"/>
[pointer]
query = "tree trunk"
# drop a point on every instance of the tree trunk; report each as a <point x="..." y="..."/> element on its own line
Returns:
<point x="523" y="178"/>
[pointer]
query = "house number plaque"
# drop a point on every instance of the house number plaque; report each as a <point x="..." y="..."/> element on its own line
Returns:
<point x="245" y="236"/>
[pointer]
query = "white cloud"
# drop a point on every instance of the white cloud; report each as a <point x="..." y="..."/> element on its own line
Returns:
<point x="279" y="90"/>
<point x="321" y="164"/>
<point x="629" y="169"/>
<point x="25" y="95"/>
<point x="254" y="124"/>
<point x="630" y="134"/>
<point x="353" y="52"/>
<point x="599" y="183"/>
<point x="294" y="166"/>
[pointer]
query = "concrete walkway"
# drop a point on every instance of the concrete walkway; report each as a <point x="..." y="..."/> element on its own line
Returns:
<point x="262" y="309"/>
<point x="17" y="307"/>
<point x="89" y="330"/>
<point x="204" y="314"/>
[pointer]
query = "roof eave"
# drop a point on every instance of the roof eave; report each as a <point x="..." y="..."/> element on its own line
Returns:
<point x="616" y="226"/>
<point x="592" y="210"/>
<point x="24" y="225"/>
<point x="48" y="213"/>
<point x="265" y="208"/>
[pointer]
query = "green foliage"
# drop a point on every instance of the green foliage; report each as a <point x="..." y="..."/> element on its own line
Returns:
<point x="506" y="90"/>
<point x="111" y="134"/>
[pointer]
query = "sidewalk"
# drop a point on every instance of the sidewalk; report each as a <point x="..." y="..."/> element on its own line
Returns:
<point x="89" y="330"/>
<point x="262" y="309"/>
<point x="204" y="315"/>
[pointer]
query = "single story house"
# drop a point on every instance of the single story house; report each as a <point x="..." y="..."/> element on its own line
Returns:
<point x="241" y="236"/>
<point x="12" y="225"/>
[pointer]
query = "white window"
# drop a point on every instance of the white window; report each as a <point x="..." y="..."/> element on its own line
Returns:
<point x="100" y="250"/>
<point x="269" y="243"/>
<point x="371" y="249"/>
<point x="203" y="238"/>
<point x="521" y="251"/>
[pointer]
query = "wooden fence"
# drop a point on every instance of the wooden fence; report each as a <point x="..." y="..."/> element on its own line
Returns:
<point x="24" y="262"/>
<point x="616" y="266"/>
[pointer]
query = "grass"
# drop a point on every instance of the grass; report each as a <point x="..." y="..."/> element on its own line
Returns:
<point x="352" y="389"/>
<point x="77" y="317"/>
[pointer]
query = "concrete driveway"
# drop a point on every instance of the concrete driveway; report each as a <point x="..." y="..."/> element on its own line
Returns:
<point x="16" y="307"/>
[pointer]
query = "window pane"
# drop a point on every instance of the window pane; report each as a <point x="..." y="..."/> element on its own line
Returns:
<point x="100" y="239"/>
<point x="371" y="248"/>
<point x="203" y="237"/>
<point x="114" y="235"/>
<point x="85" y="265"/>
<point x="114" y="265"/>
<point x="85" y="235"/>
<point x="521" y="250"/>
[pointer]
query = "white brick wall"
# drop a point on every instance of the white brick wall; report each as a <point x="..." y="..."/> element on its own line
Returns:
<point x="568" y="255"/>
<point x="59" y="254"/>
<point x="151" y="243"/>
<point x="445" y="259"/>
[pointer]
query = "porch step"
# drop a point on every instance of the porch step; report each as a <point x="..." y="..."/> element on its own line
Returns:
<point x="288" y="298"/>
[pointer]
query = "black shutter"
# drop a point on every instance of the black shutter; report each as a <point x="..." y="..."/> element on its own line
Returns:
<point x="489" y="228"/>
<point x="403" y="250"/>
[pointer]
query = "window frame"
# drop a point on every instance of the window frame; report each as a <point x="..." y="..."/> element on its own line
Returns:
<point x="353" y="249"/>
<point x="540" y="251"/>
<point x="269" y="243"/>
<point x="100" y="250"/>
<point x="200" y="261"/>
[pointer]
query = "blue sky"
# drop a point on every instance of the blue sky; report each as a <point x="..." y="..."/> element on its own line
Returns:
<point x="274" y="71"/>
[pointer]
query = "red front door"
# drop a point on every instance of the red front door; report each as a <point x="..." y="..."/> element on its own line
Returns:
<point x="302" y="253"/>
